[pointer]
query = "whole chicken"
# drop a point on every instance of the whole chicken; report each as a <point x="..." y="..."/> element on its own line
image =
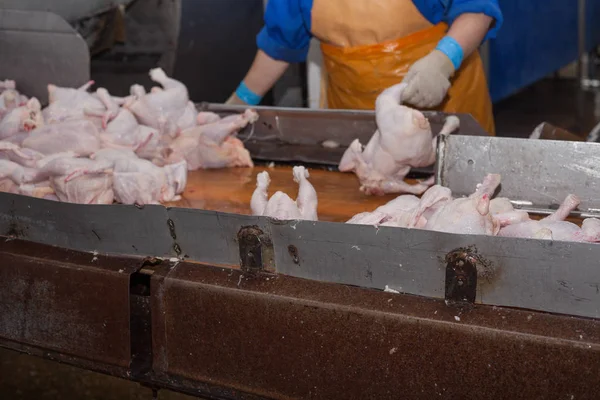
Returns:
<point x="280" y="205"/>
<point x="503" y="211"/>
<point x="15" y="172"/>
<point x="79" y="136"/>
<point x="402" y="141"/>
<point x="169" y="110"/>
<point x="397" y="212"/>
<point x="68" y="103"/>
<point x="138" y="181"/>
<point x="72" y="179"/>
<point x="125" y="132"/>
<point x="24" y="157"/>
<point x="554" y="226"/>
<point x="69" y="167"/>
<point x="22" y="119"/>
<point x="212" y="145"/>
<point x="469" y="215"/>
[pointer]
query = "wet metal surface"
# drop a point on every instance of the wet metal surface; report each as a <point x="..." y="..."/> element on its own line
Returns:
<point x="284" y="337"/>
<point x="230" y="190"/>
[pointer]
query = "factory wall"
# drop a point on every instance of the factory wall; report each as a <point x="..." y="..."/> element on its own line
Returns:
<point x="538" y="38"/>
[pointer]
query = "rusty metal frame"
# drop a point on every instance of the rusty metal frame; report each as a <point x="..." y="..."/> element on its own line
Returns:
<point x="229" y="333"/>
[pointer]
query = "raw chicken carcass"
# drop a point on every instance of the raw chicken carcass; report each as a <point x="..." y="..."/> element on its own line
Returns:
<point x="74" y="180"/>
<point x="15" y="172"/>
<point x="22" y="119"/>
<point x="213" y="145"/>
<point x="503" y="211"/>
<point x="397" y="212"/>
<point x="68" y="104"/>
<point x="469" y="215"/>
<point x="402" y="141"/>
<point x="280" y="205"/>
<point x="79" y="136"/>
<point x="125" y="132"/>
<point x="169" y="110"/>
<point x="24" y="157"/>
<point x="207" y="117"/>
<point x="138" y="181"/>
<point x="69" y="167"/>
<point x="554" y="226"/>
<point x="87" y="189"/>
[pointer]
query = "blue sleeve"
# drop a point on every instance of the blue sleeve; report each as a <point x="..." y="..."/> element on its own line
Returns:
<point x="286" y="34"/>
<point x="436" y="11"/>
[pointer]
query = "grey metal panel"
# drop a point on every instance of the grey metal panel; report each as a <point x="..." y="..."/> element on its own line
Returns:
<point x="557" y="277"/>
<point x="296" y="134"/>
<point x="209" y="236"/>
<point x="37" y="49"/>
<point x="538" y="173"/>
<point x="405" y="260"/>
<point x="114" y="229"/>
<point x="70" y="10"/>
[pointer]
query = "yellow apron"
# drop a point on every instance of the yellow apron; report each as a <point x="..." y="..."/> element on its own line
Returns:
<point x="369" y="45"/>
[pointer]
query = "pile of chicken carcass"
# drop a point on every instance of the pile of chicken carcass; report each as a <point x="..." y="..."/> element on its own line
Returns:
<point x="403" y="141"/>
<point x="94" y="148"/>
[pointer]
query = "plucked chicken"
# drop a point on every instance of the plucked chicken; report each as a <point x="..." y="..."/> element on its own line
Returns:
<point x="403" y="140"/>
<point x="554" y="226"/>
<point x="212" y="144"/>
<point x="280" y="205"/>
<point x="94" y="148"/>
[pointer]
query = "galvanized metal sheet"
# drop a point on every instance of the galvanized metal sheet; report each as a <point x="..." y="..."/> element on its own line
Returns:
<point x="535" y="173"/>
<point x="39" y="48"/>
<point x="297" y="134"/>
<point x="210" y="236"/>
<point x="558" y="277"/>
<point x="114" y="229"/>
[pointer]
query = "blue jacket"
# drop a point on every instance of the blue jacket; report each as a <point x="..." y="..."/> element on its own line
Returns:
<point x="286" y="34"/>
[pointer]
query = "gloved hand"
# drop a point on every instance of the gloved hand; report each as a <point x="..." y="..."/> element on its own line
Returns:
<point x="234" y="100"/>
<point x="428" y="80"/>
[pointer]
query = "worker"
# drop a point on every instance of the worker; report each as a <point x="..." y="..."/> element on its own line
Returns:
<point x="369" y="45"/>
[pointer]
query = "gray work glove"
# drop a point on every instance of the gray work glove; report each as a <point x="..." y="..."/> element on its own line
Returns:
<point x="428" y="80"/>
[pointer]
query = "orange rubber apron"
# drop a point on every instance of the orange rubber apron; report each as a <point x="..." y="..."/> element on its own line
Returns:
<point x="369" y="45"/>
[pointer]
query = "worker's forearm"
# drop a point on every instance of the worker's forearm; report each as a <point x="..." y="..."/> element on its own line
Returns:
<point x="261" y="77"/>
<point x="469" y="30"/>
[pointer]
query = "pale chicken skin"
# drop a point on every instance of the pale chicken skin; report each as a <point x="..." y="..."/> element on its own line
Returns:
<point x="138" y="181"/>
<point x="167" y="109"/>
<point x="469" y="215"/>
<point x="92" y="141"/>
<point x="554" y="226"/>
<point x="22" y="119"/>
<point x="396" y="212"/>
<point x="213" y="145"/>
<point x="280" y="205"/>
<point x="402" y="141"/>
<point x="80" y="136"/>
<point x="68" y="104"/>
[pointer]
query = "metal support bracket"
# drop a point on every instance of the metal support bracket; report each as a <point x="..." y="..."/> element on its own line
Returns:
<point x="256" y="250"/>
<point x="461" y="277"/>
